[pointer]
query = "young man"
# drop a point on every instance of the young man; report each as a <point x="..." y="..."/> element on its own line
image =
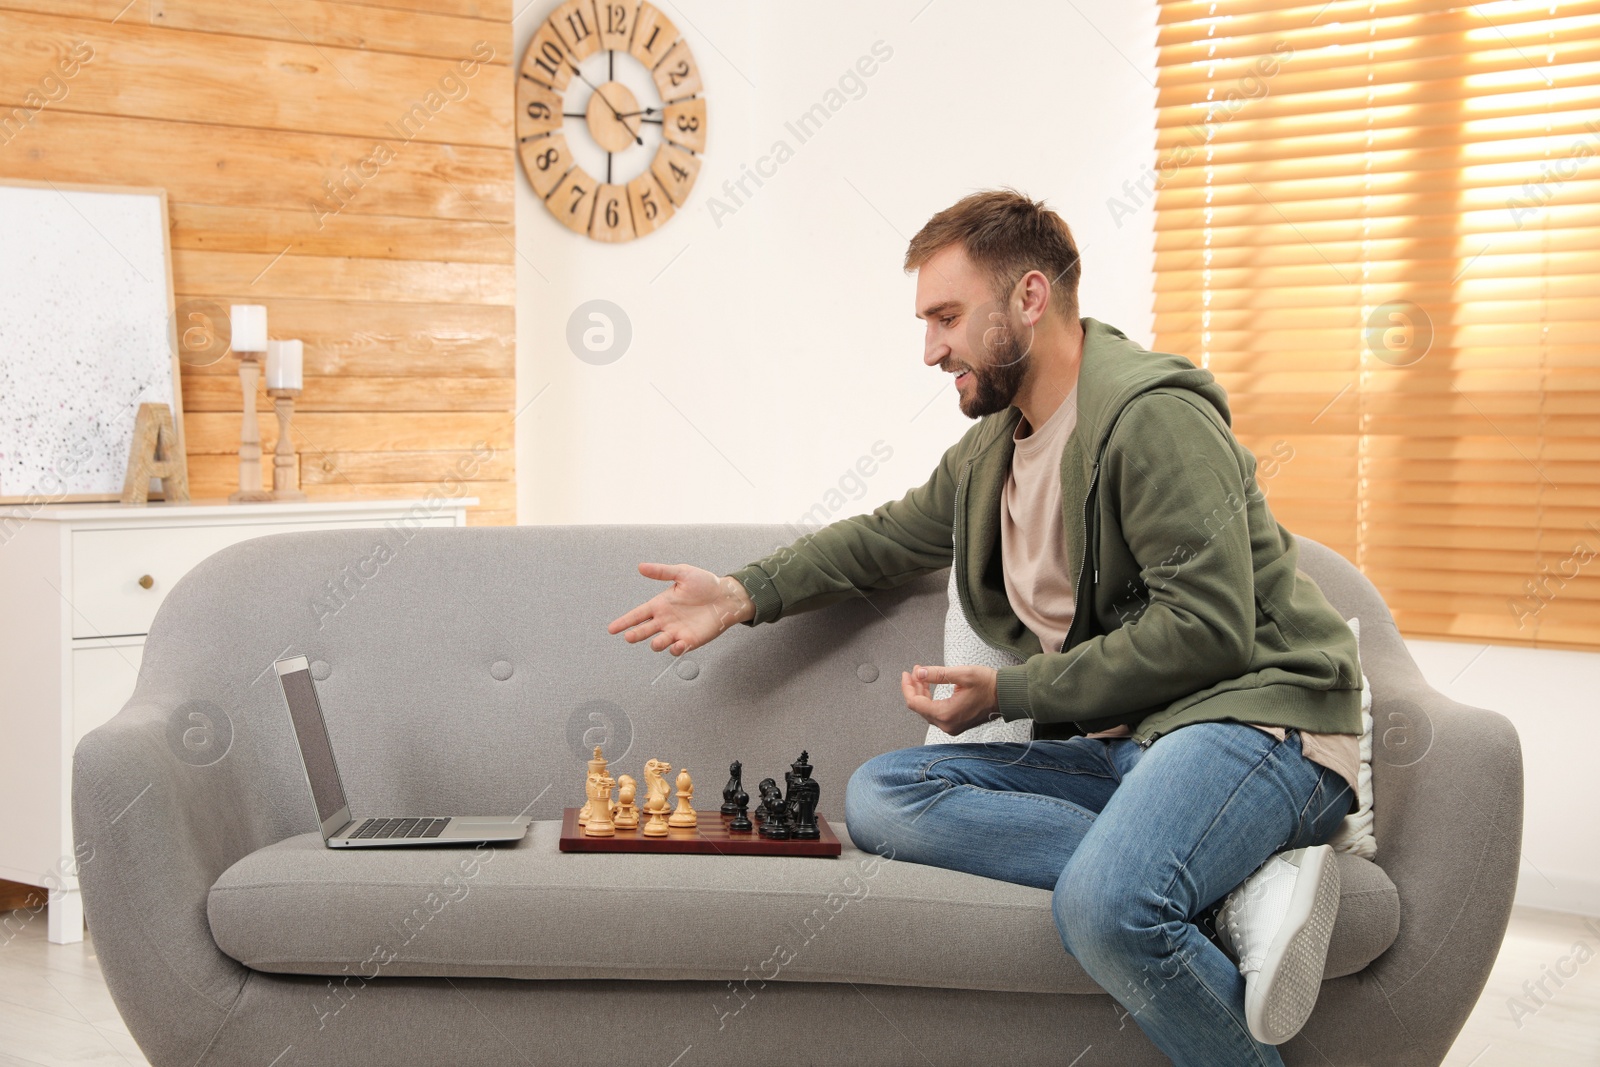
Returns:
<point x="1194" y="698"/>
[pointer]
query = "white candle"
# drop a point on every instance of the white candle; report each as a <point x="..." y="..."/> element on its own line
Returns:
<point x="285" y="361"/>
<point x="249" y="325"/>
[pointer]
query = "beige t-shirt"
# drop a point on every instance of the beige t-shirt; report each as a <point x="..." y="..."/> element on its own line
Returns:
<point x="1033" y="554"/>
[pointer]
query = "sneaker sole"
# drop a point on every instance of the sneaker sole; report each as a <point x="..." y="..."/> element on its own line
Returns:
<point x="1286" y="989"/>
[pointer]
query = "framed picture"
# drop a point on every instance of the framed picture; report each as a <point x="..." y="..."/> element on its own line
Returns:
<point x="86" y="335"/>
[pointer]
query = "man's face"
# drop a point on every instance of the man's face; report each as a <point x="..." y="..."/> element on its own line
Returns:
<point x="971" y="333"/>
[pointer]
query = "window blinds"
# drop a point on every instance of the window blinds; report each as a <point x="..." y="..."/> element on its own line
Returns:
<point x="1378" y="224"/>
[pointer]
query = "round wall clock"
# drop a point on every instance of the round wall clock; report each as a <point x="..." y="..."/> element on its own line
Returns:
<point x="610" y="123"/>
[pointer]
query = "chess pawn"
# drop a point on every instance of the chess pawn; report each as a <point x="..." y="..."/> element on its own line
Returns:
<point x="655" y="824"/>
<point x="596" y="766"/>
<point x="730" y="792"/>
<point x="773" y="823"/>
<point x="741" y="823"/>
<point x="626" y="816"/>
<point x="600" y="824"/>
<point x="684" y="817"/>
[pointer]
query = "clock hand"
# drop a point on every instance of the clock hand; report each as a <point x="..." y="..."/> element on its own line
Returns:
<point x="606" y="101"/>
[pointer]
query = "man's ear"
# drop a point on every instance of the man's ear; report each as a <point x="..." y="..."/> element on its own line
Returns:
<point x="1032" y="296"/>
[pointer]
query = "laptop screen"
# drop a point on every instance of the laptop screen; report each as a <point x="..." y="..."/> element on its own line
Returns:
<point x="306" y="714"/>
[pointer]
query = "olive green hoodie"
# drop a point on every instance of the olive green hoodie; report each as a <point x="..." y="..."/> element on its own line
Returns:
<point x="1190" y="606"/>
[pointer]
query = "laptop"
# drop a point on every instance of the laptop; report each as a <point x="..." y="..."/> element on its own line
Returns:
<point x="339" y="830"/>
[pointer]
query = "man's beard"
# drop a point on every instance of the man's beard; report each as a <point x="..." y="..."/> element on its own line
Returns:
<point x="995" y="384"/>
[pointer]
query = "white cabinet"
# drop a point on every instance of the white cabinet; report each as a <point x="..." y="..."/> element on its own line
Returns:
<point x="79" y="584"/>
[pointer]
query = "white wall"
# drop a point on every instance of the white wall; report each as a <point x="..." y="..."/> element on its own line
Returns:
<point x="771" y="352"/>
<point x="1550" y="696"/>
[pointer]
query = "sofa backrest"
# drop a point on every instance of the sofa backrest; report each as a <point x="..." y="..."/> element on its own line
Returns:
<point x="469" y="671"/>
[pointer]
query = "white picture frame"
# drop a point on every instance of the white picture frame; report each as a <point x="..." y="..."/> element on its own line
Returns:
<point x="86" y="335"/>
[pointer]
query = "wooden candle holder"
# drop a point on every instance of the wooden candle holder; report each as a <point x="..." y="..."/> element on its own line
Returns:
<point x="285" y="462"/>
<point x="250" y="489"/>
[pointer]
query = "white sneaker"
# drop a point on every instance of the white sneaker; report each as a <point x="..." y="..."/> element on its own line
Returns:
<point x="1277" y="924"/>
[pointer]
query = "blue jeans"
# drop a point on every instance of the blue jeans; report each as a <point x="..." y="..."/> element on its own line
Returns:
<point x="1135" y="843"/>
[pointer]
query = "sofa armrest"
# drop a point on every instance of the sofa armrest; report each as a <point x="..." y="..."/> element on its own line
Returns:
<point x="154" y="832"/>
<point x="1448" y="791"/>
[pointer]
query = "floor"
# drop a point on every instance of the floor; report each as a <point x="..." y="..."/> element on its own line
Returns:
<point x="54" y="1007"/>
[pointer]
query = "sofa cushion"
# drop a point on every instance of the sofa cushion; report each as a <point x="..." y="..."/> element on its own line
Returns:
<point x="532" y="911"/>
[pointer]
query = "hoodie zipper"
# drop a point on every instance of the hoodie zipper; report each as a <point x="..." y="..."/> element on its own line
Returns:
<point x="1077" y="592"/>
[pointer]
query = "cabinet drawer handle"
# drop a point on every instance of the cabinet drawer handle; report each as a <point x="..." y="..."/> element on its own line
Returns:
<point x="146" y="582"/>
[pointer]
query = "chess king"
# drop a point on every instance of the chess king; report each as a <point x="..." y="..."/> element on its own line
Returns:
<point x="597" y="767"/>
<point x="800" y="802"/>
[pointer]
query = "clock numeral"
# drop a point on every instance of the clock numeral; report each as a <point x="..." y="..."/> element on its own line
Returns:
<point x="650" y="209"/>
<point x="616" y="24"/>
<point x="575" y="198"/>
<point x="571" y="19"/>
<point x="545" y="160"/>
<point x="677" y="76"/>
<point x="676" y="170"/>
<point x="546" y="59"/>
<point x="653" y="36"/>
<point x="685" y="124"/>
<point x="550" y="59"/>
<point x="611" y="217"/>
<point x="541" y="109"/>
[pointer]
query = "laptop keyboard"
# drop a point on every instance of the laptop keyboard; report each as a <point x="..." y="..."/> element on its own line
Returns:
<point x="400" y="828"/>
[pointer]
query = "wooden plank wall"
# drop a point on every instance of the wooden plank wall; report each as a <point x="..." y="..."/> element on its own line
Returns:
<point x="350" y="166"/>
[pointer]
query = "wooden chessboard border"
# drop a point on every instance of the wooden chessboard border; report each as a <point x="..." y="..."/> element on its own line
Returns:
<point x="709" y="838"/>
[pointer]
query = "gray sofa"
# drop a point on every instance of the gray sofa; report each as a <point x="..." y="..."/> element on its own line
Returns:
<point x="467" y="671"/>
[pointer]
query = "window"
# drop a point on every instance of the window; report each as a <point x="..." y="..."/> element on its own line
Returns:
<point x="1378" y="224"/>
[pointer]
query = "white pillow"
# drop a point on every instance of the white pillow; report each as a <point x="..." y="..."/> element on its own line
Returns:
<point x="962" y="647"/>
<point x="1355" y="833"/>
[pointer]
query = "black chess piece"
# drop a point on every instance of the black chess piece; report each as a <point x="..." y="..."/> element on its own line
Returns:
<point x="804" y="793"/>
<point x="731" y="791"/>
<point x="773" y="823"/>
<point x="762" y="810"/>
<point x="741" y="823"/>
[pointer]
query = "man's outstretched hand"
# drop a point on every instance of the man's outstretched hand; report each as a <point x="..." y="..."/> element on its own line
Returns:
<point x="975" y="699"/>
<point x="697" y="608"/>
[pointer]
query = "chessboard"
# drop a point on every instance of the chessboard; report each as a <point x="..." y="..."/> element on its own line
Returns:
<point x="710" y="837"/>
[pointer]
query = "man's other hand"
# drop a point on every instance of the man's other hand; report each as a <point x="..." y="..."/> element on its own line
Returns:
<point x="697" y="608"/>
<point x="974" y="701"/>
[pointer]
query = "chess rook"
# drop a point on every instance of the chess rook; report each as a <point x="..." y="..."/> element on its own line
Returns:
<point x="599" y="823"/>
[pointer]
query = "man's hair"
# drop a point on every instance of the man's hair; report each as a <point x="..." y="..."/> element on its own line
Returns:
<point x="1006" y="235"/>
